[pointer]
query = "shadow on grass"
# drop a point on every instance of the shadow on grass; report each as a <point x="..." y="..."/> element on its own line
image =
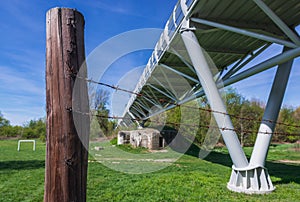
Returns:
<point x="286" y="172"/>
<point x="21" y="165"/>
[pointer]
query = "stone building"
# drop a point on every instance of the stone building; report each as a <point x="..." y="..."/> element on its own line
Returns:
<point x="148" y="138"/>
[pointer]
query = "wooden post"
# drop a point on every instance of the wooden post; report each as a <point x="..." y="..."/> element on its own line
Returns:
<point x="66" y="158"/>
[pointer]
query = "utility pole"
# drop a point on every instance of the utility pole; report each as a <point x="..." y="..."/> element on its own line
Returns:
<point x="67" y="152"/>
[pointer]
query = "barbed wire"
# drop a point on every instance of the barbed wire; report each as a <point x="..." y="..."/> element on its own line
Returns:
<point x="181" y="105"/>
<point x="110" y="86"/>
<point x="195" y="126"/>
<point x="243" y="118"/>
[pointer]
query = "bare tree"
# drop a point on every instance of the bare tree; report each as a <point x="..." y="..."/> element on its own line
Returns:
<point x="101" y="99"/>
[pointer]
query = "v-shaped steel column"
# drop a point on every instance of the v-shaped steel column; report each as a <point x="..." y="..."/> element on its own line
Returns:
<point x="246" y="177"/>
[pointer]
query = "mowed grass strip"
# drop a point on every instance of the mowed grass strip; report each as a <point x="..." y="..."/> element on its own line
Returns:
<point x="21" y="173"/>
<point x="188" y="179"/>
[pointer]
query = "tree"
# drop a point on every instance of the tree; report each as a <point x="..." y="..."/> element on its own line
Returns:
<point x="35" y="129"/>
<point x="246" y="117"/>
<point x="10" y="131"/>
<point x="3" y="121"/>
<point x="6" y="130"/>
<point x="288" y="123"/>
<point x="100" y="101"/>
<point x="296" y="115"/>
<point x="249" y="121"/>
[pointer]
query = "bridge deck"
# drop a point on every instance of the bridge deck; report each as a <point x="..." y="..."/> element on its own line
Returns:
<point x="232" y="32"/>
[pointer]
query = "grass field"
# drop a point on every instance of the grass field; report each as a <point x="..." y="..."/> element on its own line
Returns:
<point x="188" y="179"/>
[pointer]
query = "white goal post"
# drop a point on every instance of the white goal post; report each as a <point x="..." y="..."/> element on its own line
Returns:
<point x="20" y="141"/>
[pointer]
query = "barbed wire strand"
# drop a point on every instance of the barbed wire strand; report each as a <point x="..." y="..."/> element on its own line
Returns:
<point x="180" y="105"/>
<point x="117" y="88"/>
<point x="196" y="126"/>
<point x="244" y="118"/>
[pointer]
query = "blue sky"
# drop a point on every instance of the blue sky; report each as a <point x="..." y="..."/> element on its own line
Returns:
<point x="259" y="86"/>
<point x="22" y="50"/>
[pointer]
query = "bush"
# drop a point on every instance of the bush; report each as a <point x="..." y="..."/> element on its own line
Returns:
<point x="10" y="131"/>
<point x="114" y="141"/>
<point x="29" y="133"/>
<point x="35" y="129"/>
<point x="133" y="150"/>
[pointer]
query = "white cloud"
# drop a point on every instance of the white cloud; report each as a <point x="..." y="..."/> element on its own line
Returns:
<point x="113" y="7"/>
<point x="22" y="96"/>
<point x="23" y="15"/>
<point x="12" y="80"/>
<point x="21" y="116"/>
<point x="20" y="109"/>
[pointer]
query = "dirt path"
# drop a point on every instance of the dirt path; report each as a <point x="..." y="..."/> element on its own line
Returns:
<point x="288" y="161"/>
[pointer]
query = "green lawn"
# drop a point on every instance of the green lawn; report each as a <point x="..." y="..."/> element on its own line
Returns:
<point x="188" y="179"/>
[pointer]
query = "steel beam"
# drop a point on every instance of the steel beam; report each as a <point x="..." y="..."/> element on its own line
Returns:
<point x="131" y="115"/>
<point x="244" y="62"/>
<point x="142" y="105"/>
<point x="245" y="32"/>
<point x="149" y="100"/>
<point x="135" y="112"/>
<point x="135" y="120"/>
<point x="276" y="60"/>
<point x="290" y="33"/>
<point x="267" y="29"/>
<point x="163" y="93"/>
<point x="139" y="110"/>
<point x="215" y="100"/>
<point x="153" y="95"/>
<point x="169" y="83"/>
<point x="142" y="101"/>
<point x="164" y="87"/>
<point x="184" y="60"/>
<point x="272" y="62"/>
<point x="179" y="73"/>
<point x="261" y="146"/>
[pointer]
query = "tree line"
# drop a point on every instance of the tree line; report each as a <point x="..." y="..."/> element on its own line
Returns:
<point x="246" y="117"/>
<point x="31" y="129"/>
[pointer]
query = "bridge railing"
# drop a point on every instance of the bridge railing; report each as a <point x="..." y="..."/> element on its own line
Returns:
<point x="171" y="28"/>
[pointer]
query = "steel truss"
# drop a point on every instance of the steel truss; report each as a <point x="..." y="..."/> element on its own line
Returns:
<point x="247" y="176"/>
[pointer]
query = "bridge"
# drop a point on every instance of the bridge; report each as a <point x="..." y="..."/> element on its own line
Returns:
<point x="209" y="44"/>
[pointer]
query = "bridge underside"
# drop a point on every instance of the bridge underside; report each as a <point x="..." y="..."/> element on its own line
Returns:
<point x="209" y="44"/>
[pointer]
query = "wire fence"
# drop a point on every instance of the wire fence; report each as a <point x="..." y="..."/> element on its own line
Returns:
<point x="196" y="126"/>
